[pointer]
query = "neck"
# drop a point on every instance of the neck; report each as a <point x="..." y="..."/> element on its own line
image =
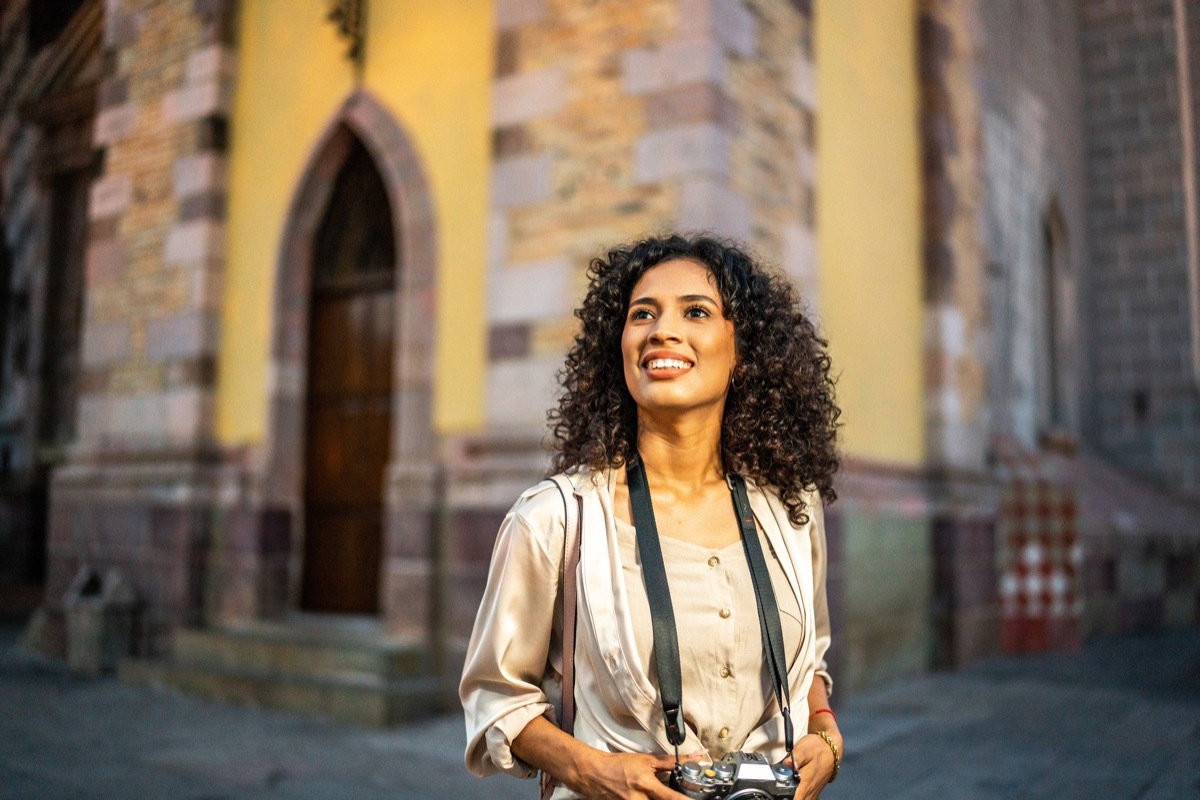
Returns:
<point x="681" y="454"/>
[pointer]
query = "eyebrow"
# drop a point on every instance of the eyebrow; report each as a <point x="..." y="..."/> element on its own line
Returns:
<point x="683" y="298"/>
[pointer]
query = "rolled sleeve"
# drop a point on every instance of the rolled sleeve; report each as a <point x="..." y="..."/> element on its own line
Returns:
<point x="820" y="562"/>
<point x="508" y="656"/>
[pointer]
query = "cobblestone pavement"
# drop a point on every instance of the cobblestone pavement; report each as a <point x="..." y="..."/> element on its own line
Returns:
<point x="1121" y="719"/>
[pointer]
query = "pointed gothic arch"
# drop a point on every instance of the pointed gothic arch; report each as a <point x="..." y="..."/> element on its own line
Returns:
<point x="362" y="122"/>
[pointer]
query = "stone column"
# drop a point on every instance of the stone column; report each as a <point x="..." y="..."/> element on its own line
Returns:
<point x="138" y="486"/>
<point x="963" y="499"/>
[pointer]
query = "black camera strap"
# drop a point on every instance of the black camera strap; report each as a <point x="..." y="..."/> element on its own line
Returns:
<point x="768" y="608"/>
<point x="662" y="614"/>
<point x="658" y="594"/>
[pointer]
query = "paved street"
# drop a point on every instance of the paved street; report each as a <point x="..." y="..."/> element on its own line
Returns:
<point x="1119" y="720"/>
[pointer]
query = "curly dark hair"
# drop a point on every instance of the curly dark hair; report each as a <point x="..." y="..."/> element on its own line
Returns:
<point x="780" y="423"/>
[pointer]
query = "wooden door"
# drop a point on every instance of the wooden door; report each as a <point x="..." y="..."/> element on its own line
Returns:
<point x="349" y="401"/>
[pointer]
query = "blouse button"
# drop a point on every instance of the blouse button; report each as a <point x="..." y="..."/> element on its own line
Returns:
<point x="723" y="733"/>
<point x="725" y="612"/>
<point x="714" y="561"/>
<point x="725" y="673"/>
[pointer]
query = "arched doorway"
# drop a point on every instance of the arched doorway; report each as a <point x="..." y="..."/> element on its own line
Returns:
<point x="363" y="139"/>
<point x="349" y="391"/>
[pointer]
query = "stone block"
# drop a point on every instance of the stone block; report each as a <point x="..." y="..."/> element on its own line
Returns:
<point x="106" y="343"/>
<point x="121" y="28"/>
<point x="189" y="414"/>
<point x="200" y="173"/>
<point x="515" y="13"/>
<point x="698" y="102"/>
<point x="520" y="392"/>
<point x="407" y="592"/>
<point x="508" y="341"/>
<point x="475" y="534"/>
<point x="679" y="62"/>
<point x="683" y="151"/>
<point x="113" y="92"/>
<point x="212" y="62"/>
<point x="113" y="124"/>
<point x="91" y="417"/>
<point x="521" y="180"/>
<point x="804" y="81"/>
<point x="110" y="196"/>
<point x="214" y="97"/>
<point x="285" y="379"/>
<point x="529" y="95"/>
<point x="198" y="241"/>
<point x="713" y="205"/>
<point x="729" y="21"/>
<point x="530" y="292"/>
<point x="105" y="261"/>
<point x="210" y="205"/>
<point x="185" y="335"/>
<point x="497" y="241"/>
<point x="799" y="261"/>
<point x="175" y="416"/>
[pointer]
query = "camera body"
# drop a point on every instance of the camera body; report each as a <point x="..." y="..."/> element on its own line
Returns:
<point x="738" y="776"/>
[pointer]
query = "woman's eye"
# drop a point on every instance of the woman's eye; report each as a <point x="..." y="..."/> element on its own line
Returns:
<point x="696" y="311"/>
<point x="639" y="313"/>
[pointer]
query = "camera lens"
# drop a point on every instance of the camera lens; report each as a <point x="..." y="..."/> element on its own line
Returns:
<point x="749" y="794"/>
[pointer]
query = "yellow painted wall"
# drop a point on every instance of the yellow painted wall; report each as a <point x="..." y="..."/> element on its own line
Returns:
<point x="869" y="221"/>
<point x="430" y="63"/>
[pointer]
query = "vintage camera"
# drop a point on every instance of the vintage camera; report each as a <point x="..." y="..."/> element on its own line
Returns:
<point x="738" y="776"/>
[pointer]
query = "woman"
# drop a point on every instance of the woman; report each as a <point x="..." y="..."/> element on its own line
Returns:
<point x="692" y="362"/>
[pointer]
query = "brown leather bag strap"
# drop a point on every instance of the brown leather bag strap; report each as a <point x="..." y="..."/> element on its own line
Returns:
<point x="567" y="597"/>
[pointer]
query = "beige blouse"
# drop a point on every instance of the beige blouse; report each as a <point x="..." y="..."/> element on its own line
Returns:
<point x="727" y="687"/>
<point x="513" y="666"/>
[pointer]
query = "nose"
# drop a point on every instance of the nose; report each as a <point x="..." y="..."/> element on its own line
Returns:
<point x="663" y="331"/>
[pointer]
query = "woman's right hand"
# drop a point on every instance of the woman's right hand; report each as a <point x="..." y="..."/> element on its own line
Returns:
<point x="593" y="773"/>
<point x="625" y="776"/>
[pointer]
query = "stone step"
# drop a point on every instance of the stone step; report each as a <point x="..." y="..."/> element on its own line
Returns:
<point x="290" y="650"/>
<point x="363" y="700"/>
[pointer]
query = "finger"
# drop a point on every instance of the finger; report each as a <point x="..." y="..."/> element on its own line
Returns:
<point x="662" y="762"/>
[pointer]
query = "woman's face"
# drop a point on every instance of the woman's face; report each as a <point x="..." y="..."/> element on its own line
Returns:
<point x="677" y="346"/>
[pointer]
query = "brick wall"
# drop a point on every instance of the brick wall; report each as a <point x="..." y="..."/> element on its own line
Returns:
<point x="614" y="120"/>
<point x="138" y="487"/>
<point x="1145" y="412"/>
<point x="1032" y="111"/>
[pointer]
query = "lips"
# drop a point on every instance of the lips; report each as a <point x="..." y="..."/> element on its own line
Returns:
<point x="666" y="364"/>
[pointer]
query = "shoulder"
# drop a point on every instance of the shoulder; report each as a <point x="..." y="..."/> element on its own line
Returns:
<point x="542" y="507"/>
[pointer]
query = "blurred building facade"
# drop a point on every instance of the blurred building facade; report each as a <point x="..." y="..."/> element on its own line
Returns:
<point x="285" y="285"/>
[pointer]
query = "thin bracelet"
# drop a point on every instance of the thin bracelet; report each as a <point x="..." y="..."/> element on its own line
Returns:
<point x="837" y="757"/>
<point x="828" y="711"/>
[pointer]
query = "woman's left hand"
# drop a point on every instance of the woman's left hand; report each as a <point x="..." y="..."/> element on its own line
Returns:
<point x="812" y="759"/>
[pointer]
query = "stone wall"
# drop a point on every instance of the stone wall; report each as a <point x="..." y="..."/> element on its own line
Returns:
<point x="957" y="413"/>
<point x="1032" y="107"/>
<point x="614" y="120"/>
<point x="137" y="488"/>
<point x="1144" y="412"/>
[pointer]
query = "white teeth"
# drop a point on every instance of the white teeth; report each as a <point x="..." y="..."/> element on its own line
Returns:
<point x="667" y="363"/>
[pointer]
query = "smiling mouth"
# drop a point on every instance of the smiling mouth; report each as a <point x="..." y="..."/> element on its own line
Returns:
<point x="667" y="363"/>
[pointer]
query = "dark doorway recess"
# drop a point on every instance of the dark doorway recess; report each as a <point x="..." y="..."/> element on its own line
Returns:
<point x="349" y="400"/>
